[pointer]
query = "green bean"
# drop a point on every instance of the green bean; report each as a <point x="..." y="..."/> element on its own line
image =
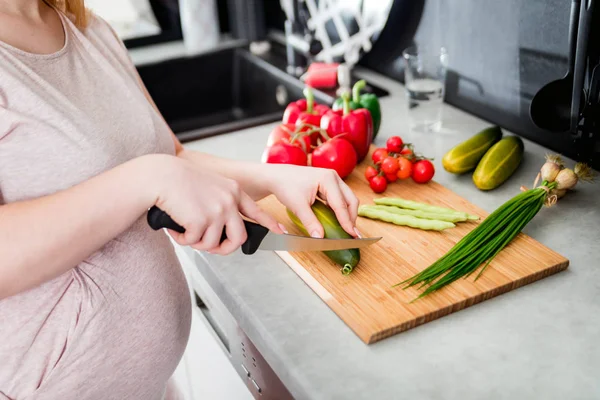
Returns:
<point x="414" y="205"/>
<point x="405" y="220"/>
<point x="420" y="214"/>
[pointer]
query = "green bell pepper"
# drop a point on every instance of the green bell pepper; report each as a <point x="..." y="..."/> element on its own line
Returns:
<point x="366" y="100"/>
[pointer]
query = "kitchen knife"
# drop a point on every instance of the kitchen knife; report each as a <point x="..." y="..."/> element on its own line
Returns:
<point x="260" y="238"/>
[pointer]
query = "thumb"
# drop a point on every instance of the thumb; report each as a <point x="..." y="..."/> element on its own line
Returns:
<point x="308" y="218"/>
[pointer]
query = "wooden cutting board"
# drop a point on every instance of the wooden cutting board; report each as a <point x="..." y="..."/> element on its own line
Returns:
<point x="366" y="301"/>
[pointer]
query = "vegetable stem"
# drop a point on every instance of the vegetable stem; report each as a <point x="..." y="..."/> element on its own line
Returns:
<point x="358" y="86"/>
<point x="310" y="99"/>
<point x="346" y="99"/>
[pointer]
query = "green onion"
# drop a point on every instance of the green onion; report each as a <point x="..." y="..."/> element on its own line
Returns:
<point x="483" y="243"/>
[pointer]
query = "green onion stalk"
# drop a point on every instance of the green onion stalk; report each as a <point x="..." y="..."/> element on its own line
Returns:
<point x="480" y="246"/>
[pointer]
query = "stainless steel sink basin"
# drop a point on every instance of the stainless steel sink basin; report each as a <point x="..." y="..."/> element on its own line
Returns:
<point x="222" y="91"/>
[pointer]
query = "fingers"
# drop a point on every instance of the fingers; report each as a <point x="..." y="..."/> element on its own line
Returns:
<point x="251" y="210"/>
<point x="191" y="235"/>
<point x="306" y="215"/>
<point x="179" y="238"/>
<point x="236" y="236"/>
<point x="336" y="199"/>
<point x="211" y="237"/>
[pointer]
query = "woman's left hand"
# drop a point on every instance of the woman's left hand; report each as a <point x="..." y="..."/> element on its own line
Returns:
<point x="298" y="187"/>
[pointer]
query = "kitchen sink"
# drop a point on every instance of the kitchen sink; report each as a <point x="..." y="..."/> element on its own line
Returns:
<point x="225" y="90"/>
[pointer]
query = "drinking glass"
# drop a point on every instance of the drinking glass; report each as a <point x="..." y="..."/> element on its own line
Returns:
<point x="425" y="81"/>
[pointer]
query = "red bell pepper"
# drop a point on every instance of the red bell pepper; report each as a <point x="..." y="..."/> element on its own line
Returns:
<point x="306" y="112"/>
<point x="292" y="111"/>
<point x="305" y="109"/>
<point x="356" y="126"/>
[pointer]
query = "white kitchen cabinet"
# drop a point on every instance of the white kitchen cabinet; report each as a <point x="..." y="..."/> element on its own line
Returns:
<point x="205" y="371"/>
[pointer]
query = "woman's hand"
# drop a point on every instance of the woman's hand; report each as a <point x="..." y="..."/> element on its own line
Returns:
<point x="204" y="203"/>
<point x="297" y="188"/>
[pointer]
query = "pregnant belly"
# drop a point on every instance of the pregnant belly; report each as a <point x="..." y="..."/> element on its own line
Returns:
<point x="119" y="325"/>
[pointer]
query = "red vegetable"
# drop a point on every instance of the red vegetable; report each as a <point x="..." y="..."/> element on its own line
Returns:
<point x="302" y="107"/>
<point x="337" y="154"/>
<point x="378" y="155"/>
<point x="389" y="165"/>
<point x="322" y="75"/>
<point x="391" y="177"/>
<point x="357" y="125"/>
<point x="293" y="110"/>
<point x="407" y="152"/>
<point x="422" y="171"/>
<point x="394" y="144"/>
<point x="378" y="184"/>
<point x="312" y="114"/>
<point x="284" y="153"/>
<point x="287" y="132"/>
<point x="405" y="168"/>
<point x="370" y="172"/>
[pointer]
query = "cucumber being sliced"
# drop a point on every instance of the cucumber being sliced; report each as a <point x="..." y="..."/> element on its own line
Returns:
<point x="347" y="259"/>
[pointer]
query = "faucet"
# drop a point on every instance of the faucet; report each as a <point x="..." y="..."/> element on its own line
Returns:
<point x="301" y="44"/>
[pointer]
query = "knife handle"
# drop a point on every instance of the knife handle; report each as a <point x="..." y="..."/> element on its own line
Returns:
<point x="158" y="219"/>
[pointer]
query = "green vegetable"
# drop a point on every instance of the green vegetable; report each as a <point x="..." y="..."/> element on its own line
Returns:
<point x="465" y="156"/>
<point x="404" y="220"/>
<point x="484" y="242"/>
<point x="420" y="214"/>
<point x="414" y="205"/>
<point x="499" y="163"/>
<point x="348" y="258"/>
<point x="366" y="100"/>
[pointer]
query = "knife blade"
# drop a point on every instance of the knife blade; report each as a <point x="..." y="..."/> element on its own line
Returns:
<point x="260" y="238"/>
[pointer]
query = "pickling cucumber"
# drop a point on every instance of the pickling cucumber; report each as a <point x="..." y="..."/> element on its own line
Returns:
<point x="347" y="259"/>
<point x="465" y="156"/>
<point x="499" y="163"/>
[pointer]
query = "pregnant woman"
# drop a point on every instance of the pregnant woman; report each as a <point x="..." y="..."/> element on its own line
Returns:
<point x="93" y="303"/>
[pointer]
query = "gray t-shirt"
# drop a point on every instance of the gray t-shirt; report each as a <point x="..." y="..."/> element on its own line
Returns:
<point x="116" y="325"/>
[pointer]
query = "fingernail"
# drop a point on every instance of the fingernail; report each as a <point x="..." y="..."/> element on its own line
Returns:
<point x="358" y="234"/>
<point x="315" y="234"/>
<point x="283" y="228"/>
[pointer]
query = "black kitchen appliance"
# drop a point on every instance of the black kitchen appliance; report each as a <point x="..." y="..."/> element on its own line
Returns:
<point x="572" y="105"/>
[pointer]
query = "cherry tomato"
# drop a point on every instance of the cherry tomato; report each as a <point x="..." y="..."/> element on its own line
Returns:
<point x="406" y="152"/>
<point x="284" y="153"/>
<point x="378" y="184"/>
<point x="422" y="171"/>
<point x="391" y="177"/>
<point x="389" y="165"/>
<point x="370" y="172"/>
<point x="394" y="144"/>
<point x="405" y="168"/>
<point x="337" y="154"/>
<point x="284" y="133"/>
<point x="379" y="155"/>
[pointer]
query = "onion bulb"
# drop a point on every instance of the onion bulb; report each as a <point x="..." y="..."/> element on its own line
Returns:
<point x="566" y="179"/>
<point x="551" y="168"/>
<point x="549" y="171"/>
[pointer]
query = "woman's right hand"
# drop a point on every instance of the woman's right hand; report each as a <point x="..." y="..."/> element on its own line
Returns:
<point x="204" y="203"/>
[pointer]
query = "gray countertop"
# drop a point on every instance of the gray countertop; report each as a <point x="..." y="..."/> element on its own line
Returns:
<point x="539" y="341"/>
